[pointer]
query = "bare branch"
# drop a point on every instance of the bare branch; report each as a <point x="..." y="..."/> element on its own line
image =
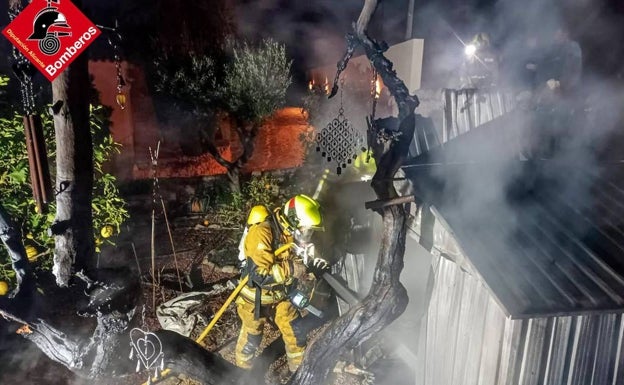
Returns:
<point x="389" y="139"/>
<point x="365" y="16"/>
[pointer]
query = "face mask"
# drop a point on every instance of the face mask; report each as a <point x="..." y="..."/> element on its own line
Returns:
<point x="303" y="236"/>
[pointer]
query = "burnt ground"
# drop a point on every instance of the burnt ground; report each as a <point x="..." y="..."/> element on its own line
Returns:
<point x="205" y="255"/>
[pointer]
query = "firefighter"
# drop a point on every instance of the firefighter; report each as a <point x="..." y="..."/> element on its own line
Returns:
<point x="278" y="253"/>
<point x="480" y="68"/>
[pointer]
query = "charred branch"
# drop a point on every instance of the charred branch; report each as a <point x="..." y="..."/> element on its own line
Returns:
<point x="389" y="140"/>
<point x="368" y="9"/>
<point x="386" y="300"/>
<point x="105" y="353"/>
<point x="374" y="205"/>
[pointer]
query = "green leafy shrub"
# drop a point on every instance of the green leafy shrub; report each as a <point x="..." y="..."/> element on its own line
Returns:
<point x="232" y="208"/>
<point x="16" y="193"/>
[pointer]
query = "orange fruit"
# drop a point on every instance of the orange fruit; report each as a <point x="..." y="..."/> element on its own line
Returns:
<point x="107" y="231"/>
<point x="4" y="288"/>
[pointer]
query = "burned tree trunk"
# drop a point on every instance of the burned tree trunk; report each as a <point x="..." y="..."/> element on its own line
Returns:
<point x="387" y="297"/>
<point x="73" y="224"/>
<point x="105" y="353"/>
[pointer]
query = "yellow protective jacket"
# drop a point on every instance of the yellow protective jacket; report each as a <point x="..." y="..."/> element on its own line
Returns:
<point x="259" y="248"/>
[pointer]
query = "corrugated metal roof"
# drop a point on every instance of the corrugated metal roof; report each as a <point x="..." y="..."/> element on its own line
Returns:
<point x="462" y="111"/>
<point x="547" y="237"/>
<point x="470" y="341"/>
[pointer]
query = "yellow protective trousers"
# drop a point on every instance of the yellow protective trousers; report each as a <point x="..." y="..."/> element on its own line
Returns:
<point x="250" y="337"/>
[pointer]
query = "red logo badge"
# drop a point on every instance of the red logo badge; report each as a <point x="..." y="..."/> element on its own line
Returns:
<point x="51" y="34"/>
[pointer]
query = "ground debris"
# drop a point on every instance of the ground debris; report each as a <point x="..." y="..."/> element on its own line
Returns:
<point x="365" y="377"/>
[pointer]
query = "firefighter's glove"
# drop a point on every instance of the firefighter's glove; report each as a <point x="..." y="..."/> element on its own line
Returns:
<point x="318" y="266"/>
<point x="242" y="267"/>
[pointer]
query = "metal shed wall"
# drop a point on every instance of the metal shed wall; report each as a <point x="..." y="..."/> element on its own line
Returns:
<point x="469" y="341"/>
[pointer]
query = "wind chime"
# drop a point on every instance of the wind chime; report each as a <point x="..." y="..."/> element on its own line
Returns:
<point x="35" y="142"/>
<point x="339" y="141"/>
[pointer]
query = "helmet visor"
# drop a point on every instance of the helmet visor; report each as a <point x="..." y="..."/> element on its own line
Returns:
<point x="303" y="235"/>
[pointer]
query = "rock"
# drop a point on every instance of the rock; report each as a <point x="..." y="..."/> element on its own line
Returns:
<point x="229" y="269"/>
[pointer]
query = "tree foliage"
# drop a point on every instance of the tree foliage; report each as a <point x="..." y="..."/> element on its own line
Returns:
<point x="15" y="190"/>
<point x="249" y="87"/>
<point x="189" y="82"/>
<point x="256" y="80"/>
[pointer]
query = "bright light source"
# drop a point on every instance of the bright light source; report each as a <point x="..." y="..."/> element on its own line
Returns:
<point x="470" y="50"/>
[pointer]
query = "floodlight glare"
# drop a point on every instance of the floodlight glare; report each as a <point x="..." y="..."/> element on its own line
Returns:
<point x="470" y="50"/>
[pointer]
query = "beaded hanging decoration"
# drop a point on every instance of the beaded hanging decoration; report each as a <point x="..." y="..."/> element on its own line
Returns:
<point x="114" y="41"/>
<point x="146" y="348"/>
<point x="339" y="141"/>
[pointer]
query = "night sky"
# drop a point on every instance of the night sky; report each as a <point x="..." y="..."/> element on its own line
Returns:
<point x="314" y="30"/>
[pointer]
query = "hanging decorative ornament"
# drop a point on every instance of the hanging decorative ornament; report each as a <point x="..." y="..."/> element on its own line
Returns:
<point x="146" y="348"/>
<point x="339" y="141"/>
<point x="120" y="98"/>
<point x="115" y="43"/>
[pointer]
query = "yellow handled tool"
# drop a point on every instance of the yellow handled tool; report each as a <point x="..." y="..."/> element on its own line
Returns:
<point x="214" y="320"/>
<point x="227" y="303"/>
<point x="216" y="317"/>
<point x="231" y="298"/>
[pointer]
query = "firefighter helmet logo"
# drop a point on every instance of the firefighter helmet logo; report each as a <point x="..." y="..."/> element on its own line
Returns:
<point x="48" y="27"/>
<point x="51" y="34"/>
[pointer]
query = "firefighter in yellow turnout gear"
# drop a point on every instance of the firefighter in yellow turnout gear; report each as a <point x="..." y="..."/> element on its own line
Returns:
<point x="273" y="267"/>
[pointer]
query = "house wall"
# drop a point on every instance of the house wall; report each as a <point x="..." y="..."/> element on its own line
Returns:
<point x="136" y="128"/>
<point x="470" y="341"/>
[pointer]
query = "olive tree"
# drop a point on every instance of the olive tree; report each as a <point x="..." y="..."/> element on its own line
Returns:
<point x="250" y="87"/>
